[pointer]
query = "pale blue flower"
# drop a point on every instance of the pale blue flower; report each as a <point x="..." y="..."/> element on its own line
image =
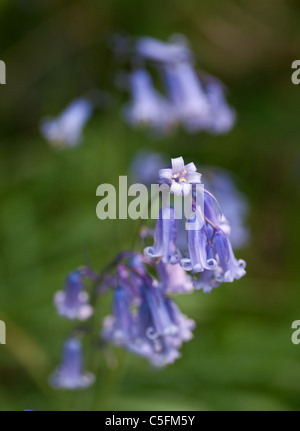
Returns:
<point x="147" y="108"/>
<point x="66" y="129"/>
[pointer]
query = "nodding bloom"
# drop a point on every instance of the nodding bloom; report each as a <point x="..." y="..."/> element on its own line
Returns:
<point x="72" y="303"/>
<point x="174" y="279"/>
<point x="188" y="97"/>
<point x="180" y="177"/>
<point x="232" y="269"/>
<point x="207" y="240"/>
<point x="208" y="280"/>
<point x="147" y="108"/>
<point x="162" y="52"/>
<point x="198" y="244"/>
<point x="161" y="329"/>
<point x="223" y="117"/>
<point x="234" y="204"/>
<point x="153" y="327"/>
<point x="165" y="232"/>
<point x="69" y="375"/>
<point x="119" y="327"/>
<point x="66" y="130"/>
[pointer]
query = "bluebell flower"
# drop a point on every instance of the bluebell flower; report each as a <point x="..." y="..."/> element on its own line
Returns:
<point x="72" y="303"/>
<point x="198" y="246"/>
<point x="162" y="52"/>
<point x="232" y="268"/>
<point x="147" y="108"/>
<point x="156" y="349"/>
<point x="188" y="97"/>
<point x="119" y="328"/>
<point x="174" y="279"/>
<point x="165" y="231"/>
<point x="234" y="204"/>
<point x="66" y="130"/>
<point x="223" y="117"/>
<point x="161" y="329"/>
<point x="70" y="374"/>
<point x="208" y="280"/>
<point x="180" y="177"/>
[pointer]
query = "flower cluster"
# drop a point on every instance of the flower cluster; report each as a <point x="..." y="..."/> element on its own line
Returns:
<point x="207" y="252"/>
<point x="196" y="102"/>
<point x="145" y="320"/>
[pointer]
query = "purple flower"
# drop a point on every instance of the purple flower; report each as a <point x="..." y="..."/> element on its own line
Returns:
<point x="234" y="205"/>
<point x="180" y="177"/>
<point x="198" y="246"/>
<point x="161" y="329"/>
<point x="207" y="280"/>
<point x="72" y="303"/>
<point x="188" y="97"/>
<point x="223" y="117"/>
<point x="118" y="328"/>
<point x="165" y="231"/>
<point x="66" y="130"/>
<point x="147" y="108"/>
<point x="70" y="374"/>
<point x="232" y="268"/>
<point x="174" y="279"/>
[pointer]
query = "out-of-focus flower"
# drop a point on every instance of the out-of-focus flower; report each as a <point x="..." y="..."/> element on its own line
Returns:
<point x="147" y="108"/>
<point x="162" y="52"/>
<point x="180" y="177"/>
<point x="69" y="375"/>
<point x="72" y="303"/>
<point x="234" y="204"/>
<point x="196" y="103"/>
<point x="66" y="129"/>
<point x="152" y="327"/>
<point x="187" y="95"/>
<point x="223" y="117"/>
<point x="174" y="279"/>
<point x="119" y="327"/>
<point x="145" y="165"/>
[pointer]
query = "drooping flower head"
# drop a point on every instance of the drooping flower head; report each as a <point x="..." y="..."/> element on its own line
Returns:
<point x="72" y="303"/>
<point x="147" y="108"/>
<point x="208" y="250"/>
<point x="69" y="375"/>
<point x="66" y="129"/>
<point x="152" y="327"/>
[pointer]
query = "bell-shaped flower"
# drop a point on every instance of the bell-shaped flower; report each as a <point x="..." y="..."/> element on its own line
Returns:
<point x="72" y="302"/>
<point x="223" y="117"/>
<point x="118" y="328"/>
<point x="147" y="108"/>
<point x="66" y="129"/>
<point x="188" y="97"/>
<point x="232" y="269"/>
<point x="198" y="245"/>
<point x="70" y="375"/>
<point x="165" y="232"/>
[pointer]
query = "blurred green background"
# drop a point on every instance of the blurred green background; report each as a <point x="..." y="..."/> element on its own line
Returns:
<point x="241" y="357"/>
